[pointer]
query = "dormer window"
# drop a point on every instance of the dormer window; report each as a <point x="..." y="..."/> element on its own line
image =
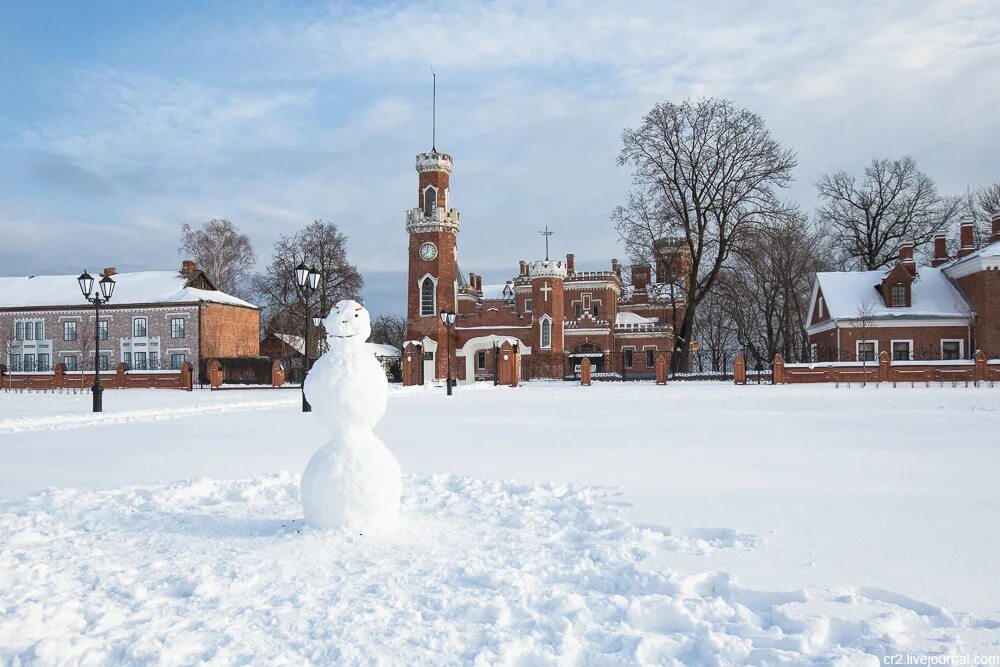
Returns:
<point x="897" y="296"/>
<point x="430" y="201"/>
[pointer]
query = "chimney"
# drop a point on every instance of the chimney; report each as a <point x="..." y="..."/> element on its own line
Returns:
<point x="110" y="271"/>
<point x="571" y="262"/>
<point x="188" y="266"/>
<point x="524" y="268"/>
<point x="906" y="257"/>
<point x="966" y="234"/>
<point x="640" y="276"/>
<point x="479" y="283"/>
<point x="616" y="267"/>
<point x="995" y="236"/>
<point x="940" y="250"/>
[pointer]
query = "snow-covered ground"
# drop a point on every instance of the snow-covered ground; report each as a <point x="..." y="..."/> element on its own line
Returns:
<point x="551" y="524"/>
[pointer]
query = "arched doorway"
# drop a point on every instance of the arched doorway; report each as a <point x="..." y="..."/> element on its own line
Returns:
<point x="482" y="349"/>
<point x="590" y="351"/>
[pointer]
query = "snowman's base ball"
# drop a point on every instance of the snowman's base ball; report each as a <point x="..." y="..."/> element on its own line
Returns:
<point x="352" y="482"/>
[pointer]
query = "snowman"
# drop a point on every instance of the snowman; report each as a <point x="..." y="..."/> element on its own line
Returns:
<point x="353" y="481"/>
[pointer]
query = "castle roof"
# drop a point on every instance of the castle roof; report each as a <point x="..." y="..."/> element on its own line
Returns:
<point x="146" y="287"/>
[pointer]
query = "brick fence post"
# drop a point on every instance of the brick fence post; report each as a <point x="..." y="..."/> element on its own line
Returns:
<point x="661" y="368"/>
<point x="778" y="375"/>
<point x="740" y="369"/>
<point x="215" y="373"/>
<point x="884" y="366"/>
<point x="120" y="377"/>
<point x="277" y="374"/>
<point x="59" y="376"/>
<point x="187" y="373"/>
<point x="980" y="366"/>
<point x="585" y="372"/>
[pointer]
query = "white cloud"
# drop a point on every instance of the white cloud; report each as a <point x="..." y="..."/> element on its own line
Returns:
<point x="276" y="119"/>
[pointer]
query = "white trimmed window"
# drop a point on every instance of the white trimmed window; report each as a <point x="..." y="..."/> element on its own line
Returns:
<point x="650" y="357"/>
<point x="902" y="350"/>
<point x="819" y="308"/>
<point x="70" y="362"/>
<point x="481" y="360"/>
<point x="628" y="354"/>
<point x="866" y="350"/>
<point x="813" y="353"/>
<point x="527" y="305"/>
<point x="428" y="299"/>
<point x="430" y="200"/>
<point x="69" y="330"/>
<point x="139" y="329"/>
<point x="952" y="348"/>
<point x="177" y="327"/>
<point x="546" y="333"/>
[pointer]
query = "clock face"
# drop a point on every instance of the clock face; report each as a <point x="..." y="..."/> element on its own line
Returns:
<point x="428" y="251"/>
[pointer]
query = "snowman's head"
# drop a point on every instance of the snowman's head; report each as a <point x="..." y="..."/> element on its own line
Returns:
<point x="348" y="320"/>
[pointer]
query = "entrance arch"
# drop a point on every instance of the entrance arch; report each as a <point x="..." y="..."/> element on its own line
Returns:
<point x="591" y="351"/>
<point x="487" y="343"/>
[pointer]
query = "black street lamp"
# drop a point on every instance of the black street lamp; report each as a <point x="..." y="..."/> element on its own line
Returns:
<point x="448" y="320"/>
<point x="107" y="288"/>
<point x="308" y="280"/>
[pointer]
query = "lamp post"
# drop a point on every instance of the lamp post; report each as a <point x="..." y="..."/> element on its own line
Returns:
<point x="308" y="280"/>
<point x="107" y="288"/>
<point x="448" y="320"/>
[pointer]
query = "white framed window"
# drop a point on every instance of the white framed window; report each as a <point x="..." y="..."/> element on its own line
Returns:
<point x="430" y="200"/>
<point x="177" y="327"/>
<point x="428" y="297"/>
<point x="952" y="348"/>
<point x="481" y="360"/>
<point x="650" y="356"/>
<point x="813" y="352"/>
<point x="577" y="310"/>
<point x="819" y="308"/>
<point x="586" y="301"/>
<point x="102" y="330"/>
<point x="69" y="330"/>
<point x="19" y="331"/>
<point x="70" y="362"/>
<point x="176" y="361"/>
<point x="545" y="333"/>
<point x="628" y="357"/>
<point x="866" y="350"/>
<point x="39" y="330"/>
<point x="139" y="328"/>
<point x="527" y="305"/>
<point x="902" y="350"/>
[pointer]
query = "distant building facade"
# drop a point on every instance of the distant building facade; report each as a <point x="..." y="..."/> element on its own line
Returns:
<point x="553" y="314"/>
<point x="156" y="320"/>
<point x="945" y="311"/>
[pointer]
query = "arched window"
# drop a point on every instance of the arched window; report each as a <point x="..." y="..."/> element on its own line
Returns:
<point x="427" y="306"/>
<point x="430" y="201"/>
<point x="546" y="333"/>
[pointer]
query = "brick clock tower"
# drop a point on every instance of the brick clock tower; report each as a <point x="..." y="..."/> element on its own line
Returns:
<point x="433" y="258"/>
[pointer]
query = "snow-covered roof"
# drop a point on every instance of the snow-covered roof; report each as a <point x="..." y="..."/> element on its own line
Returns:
<point x="383" y="350"/>
<point x="135" y="287"/>
<point x="297" y="343"/>
<point x="497" y="291"/>
<point x="932" y="294"/>
<point x="625" y="317"/>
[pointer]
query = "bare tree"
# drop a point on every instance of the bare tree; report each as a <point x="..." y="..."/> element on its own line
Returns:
<point x="389" y="330"/>
<point x="715" y="332"/>
<point x="222" y="252"/>
<point x="869" y="217"/>
<point x="864" y="324"/>
<point x="321" y="245"/>
<point x="705" y="173"/>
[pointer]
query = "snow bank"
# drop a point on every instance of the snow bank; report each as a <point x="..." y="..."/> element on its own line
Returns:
<point x="480" y="572"/>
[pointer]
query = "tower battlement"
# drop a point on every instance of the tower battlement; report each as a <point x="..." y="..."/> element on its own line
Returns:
<point x="547" y="268"/>
<point x="433" y="161"/>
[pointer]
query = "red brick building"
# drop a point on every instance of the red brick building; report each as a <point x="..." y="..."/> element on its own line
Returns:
<point x="947" y="310"/>
<point x="155" y="321"/>
<point x="553" y="314"/>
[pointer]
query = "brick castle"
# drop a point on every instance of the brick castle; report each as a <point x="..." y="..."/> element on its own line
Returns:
<point x="552" y="315"/>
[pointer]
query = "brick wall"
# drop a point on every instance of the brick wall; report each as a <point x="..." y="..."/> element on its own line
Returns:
<point x="926" y="341"/>
<point x="229" y="331"/>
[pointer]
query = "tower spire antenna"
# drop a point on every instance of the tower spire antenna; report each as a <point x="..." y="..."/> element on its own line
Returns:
<point x="433" y="110"/>
<point x="546" y="233"/>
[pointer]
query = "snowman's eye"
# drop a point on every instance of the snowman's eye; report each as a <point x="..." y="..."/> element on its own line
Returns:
<point x="355" y="314"/>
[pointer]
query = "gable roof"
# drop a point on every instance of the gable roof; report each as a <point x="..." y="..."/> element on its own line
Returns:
<point x="130" y="288"/>
<point x="933" y="295"/>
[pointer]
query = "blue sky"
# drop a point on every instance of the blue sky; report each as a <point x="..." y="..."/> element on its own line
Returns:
<point x="120" y="121"/>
